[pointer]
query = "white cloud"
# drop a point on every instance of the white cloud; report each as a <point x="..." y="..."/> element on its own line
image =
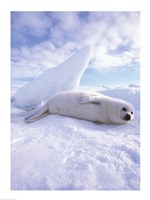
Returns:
<point x="29" y="23"/>
<point x="114" y="36"/>
<point x="67" y="20"/>
<point x="39" y="58"/>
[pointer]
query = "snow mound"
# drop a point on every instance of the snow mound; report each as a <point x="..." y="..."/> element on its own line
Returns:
<point x="130" y="94"/>
<point x="62" y="153"/>
<point x="134" y="85"/>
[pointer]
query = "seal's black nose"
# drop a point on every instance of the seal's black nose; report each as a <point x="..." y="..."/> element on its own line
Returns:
<point x="127" y="117"/>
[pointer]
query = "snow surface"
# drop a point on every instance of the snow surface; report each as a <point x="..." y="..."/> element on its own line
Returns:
<point x="62" y="153"/>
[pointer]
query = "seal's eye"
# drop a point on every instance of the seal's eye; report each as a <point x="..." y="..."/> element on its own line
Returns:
<point x="124" y="109"/>
<point x="132" y="113"/>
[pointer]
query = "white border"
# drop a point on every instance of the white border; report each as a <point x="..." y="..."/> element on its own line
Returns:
<point x="70" y="5"/>
<point x="5" y="99"/>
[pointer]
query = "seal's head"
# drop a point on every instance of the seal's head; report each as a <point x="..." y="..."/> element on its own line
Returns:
<point x="121" y="111"/>
<point x="127" y="112"/>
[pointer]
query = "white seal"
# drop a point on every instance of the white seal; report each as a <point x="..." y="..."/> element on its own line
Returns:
<point x="86" y="105"/>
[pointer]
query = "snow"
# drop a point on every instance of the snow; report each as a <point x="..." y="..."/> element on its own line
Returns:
<point x="66" y="76"/>
<point x="62" y="153"/>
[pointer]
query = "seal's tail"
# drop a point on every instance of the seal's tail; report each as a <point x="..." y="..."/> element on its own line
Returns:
<point x="36" y="114"/>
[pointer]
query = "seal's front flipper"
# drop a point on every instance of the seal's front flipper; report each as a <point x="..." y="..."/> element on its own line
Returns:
<point x="36" y="114"/>
<point x="90" y="99"/>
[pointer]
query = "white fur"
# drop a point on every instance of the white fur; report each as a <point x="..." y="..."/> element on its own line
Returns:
<point x="86" y="105"/>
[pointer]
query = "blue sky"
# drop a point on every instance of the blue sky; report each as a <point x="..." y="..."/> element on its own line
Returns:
<point x="40" y="40"/>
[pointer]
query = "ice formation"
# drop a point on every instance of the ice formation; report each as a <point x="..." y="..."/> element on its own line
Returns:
<point x="66" y="76"/>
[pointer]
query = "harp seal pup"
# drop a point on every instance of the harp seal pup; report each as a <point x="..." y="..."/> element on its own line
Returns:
<point x="85" y="105"/>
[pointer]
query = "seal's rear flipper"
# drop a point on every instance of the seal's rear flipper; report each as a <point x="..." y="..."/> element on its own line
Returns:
<point x="36" y="114"/>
